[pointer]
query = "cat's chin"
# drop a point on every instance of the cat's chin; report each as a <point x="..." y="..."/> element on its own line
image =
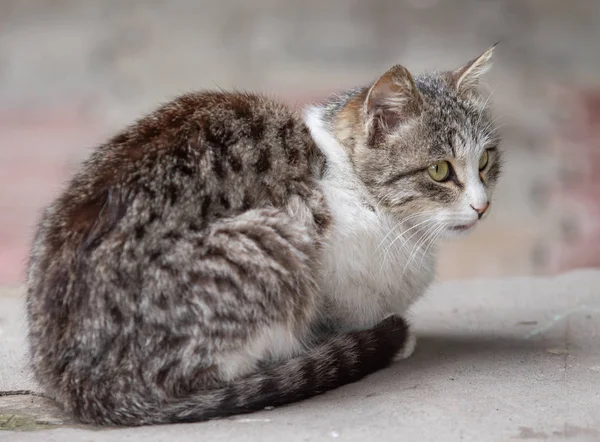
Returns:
<point x="460" y="230"/>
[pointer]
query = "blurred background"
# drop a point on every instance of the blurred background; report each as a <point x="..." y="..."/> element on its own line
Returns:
<point x="74" y="71"/>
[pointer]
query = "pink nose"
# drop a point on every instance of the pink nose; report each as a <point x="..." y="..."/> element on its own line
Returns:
<point x="481" y="210"/>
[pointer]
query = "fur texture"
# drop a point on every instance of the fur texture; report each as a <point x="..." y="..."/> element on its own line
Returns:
<point x="224" y="254"/>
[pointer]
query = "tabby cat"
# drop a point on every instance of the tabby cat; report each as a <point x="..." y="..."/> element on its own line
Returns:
<point x="224" y="254"/>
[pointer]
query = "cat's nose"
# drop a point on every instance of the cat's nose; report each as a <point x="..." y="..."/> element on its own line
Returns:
<point x="481" y="210"/>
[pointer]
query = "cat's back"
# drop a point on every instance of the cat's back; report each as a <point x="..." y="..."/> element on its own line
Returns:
<point x="202" y="156"/>
<point x="210" y="138"/>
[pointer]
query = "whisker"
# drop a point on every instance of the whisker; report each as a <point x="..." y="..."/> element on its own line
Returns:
<point x="406" y="231"/>
<point x="408" y="218"/>
<point x="404" y="243"/>
<point x="484" y="106"/>
<point x="419" y="244"/>
<point x="437" y="234"/>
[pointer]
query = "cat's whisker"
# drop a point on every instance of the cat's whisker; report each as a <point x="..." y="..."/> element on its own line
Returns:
<point x="403" y="244"/>
<point x="416" y="246"/>
<point x="392" y="252"/>
<point x="496" y="128"/>
<point x="431" y="240"/>
<point x="483" y="108"/>
<point x="496" y="118"/>
<point x="419" y="244"/>
<point x="402" y="221"/>
<point x="405" y="232"/>
<point x="437" y="234"/>
<point x="492" y="126"/>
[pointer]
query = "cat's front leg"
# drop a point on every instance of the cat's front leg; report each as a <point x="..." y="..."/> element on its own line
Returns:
<point x="408" y="349"/>
<point x="410" y="342"/>
<point x="401" y="309"/>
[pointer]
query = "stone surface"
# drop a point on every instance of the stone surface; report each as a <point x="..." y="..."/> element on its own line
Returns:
<point x="497" y="360"/>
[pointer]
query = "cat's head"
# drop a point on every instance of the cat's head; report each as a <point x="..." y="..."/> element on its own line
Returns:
<point x="429" y="148"/>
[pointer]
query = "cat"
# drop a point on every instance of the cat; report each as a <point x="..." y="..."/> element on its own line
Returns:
<point x="224" y="254"/>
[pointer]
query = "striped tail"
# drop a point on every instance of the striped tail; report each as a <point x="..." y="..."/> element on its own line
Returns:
<point x="341" y="360"/>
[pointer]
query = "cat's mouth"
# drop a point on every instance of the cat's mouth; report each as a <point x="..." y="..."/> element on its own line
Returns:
<point x="463" y="227"/>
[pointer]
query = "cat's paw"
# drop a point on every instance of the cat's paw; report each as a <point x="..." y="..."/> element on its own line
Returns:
<point x="408" y="349"/>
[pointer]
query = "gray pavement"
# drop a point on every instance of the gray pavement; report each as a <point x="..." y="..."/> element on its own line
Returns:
<point x="497" y="360"/>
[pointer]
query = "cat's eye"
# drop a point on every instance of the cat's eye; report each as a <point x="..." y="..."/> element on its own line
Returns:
<point x="483" y="161"/>
<point x="439" y="171"/>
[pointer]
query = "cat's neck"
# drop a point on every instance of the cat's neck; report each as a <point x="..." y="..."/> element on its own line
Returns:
<point x="342" y="117"/>
<point x="340" y="173"/>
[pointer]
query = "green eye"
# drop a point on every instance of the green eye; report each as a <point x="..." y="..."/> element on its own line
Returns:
<point x="483" y="160"/>
<point x="439" y="171"/>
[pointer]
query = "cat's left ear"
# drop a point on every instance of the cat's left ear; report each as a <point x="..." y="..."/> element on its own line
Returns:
<point x="466" y="77"/>
<point x="393" y="99"/>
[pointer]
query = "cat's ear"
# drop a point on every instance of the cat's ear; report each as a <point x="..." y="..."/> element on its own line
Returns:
<point x="394" y="98"/>
<point x="467" y="76"/>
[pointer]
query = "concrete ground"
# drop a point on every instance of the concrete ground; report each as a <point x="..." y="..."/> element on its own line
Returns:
<point x="497" y="360"/>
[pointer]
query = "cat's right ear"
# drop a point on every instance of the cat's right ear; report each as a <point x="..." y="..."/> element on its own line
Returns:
<point x="393" y="99"/>
<point x="466" y="78"/>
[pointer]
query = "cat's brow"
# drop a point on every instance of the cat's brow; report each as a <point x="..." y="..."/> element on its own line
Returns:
<point x="452" y="134"/>
<point x="401" y="175"/>
<point x="442" y="151"/>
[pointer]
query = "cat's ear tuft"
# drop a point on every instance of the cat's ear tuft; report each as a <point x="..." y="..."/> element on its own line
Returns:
<point x="467" y="76"/>
<point x="394" y="98"/>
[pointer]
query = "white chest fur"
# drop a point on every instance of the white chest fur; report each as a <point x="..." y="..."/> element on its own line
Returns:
<point x="368" y="272"/>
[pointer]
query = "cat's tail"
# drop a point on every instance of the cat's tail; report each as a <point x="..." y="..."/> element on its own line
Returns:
<point x="338" y="361"/>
